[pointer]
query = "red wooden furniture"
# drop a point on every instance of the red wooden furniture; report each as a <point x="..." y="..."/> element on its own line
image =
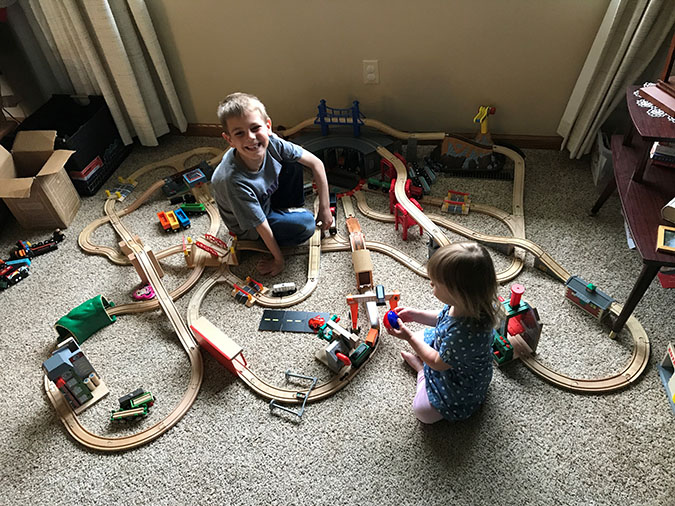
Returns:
<point x="643" y="189"/>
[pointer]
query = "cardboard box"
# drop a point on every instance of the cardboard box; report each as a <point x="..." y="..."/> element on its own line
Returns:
<point x="34" y="183"/>
<point x="87" y="127"/>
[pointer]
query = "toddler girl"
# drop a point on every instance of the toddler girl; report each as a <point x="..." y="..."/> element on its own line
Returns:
<point x="453" y="360"/>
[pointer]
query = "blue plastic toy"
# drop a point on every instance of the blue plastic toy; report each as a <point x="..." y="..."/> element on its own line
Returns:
<point x="392" y="319"/>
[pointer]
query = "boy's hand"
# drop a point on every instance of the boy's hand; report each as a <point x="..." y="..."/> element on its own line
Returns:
<point x="270" y="266"/>
<point x="325" y="217"/>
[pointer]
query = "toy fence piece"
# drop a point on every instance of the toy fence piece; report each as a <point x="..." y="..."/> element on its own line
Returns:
<point x="206" y="248"/>
<point x="215" y="240"/>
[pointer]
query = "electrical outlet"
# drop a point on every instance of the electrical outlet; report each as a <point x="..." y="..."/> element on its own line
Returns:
<point x="371" y="72"/>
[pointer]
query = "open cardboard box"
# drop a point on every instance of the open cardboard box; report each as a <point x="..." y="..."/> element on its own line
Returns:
<point x="34" y="183"/>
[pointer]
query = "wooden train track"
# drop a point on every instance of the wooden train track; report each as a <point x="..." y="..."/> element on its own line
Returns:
<point x="514" y="221"/>
<point x="163" y="299"/>
<point x="255" y="382"/>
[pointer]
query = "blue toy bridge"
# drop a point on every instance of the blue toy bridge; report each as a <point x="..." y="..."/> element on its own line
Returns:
<point x="332" y="116"/>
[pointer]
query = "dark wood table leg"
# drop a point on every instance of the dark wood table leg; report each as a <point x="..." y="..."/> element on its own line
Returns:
<point x="628" y="138"/>
<point x="606" y="193"/>
<point x="642" y="164"/>
<point x="647" y="274"/>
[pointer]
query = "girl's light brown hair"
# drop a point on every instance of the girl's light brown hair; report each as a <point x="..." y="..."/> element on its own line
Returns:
<point x="467" y="271"/>
<point x="236" y="105"/>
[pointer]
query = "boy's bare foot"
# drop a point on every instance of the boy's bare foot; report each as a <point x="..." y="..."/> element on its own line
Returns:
<point x="413" y="361"/>
<point x="269" y="266"/>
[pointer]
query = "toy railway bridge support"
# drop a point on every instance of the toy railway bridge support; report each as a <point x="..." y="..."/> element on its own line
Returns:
<point x="333" y="116"/>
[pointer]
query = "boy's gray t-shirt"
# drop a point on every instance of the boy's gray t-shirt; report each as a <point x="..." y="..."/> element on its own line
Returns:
<point x="243" y="197"/>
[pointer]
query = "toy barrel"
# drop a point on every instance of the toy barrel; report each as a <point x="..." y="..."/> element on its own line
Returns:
<point x="90" y="384"/>
<point x="517" y="291"/>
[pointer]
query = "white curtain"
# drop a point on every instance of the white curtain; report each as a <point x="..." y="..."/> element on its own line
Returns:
<point x="109" y="48"/>
<point x="629" y="36"/>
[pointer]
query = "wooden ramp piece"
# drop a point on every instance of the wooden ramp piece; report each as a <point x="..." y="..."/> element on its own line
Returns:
<point x="213" y="340"/>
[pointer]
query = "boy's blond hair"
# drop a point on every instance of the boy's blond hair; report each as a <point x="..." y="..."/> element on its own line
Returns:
<point x="236" y="105"/>
<point x="467" y="271"/>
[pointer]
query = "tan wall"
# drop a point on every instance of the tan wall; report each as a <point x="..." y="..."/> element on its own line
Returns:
<point x="439" y="59"/>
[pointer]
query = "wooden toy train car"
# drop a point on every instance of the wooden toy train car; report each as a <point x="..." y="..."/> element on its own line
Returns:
<point x="164" y="221"/>
<point x="193" y="208"/>
<point x="26" y="249"/>
<point x="172" y="221"/>
<point x="133" y="405"/>
<point x="11" y="274"/>
<point x="283" y="289"/>
<point x="182" y="218"/>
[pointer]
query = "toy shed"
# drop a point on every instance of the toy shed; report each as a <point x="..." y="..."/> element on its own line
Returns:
<point x="587" y="296"/>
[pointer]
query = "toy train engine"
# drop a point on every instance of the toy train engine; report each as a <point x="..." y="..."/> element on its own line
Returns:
<point x="10" y="275"/>
<point x="133" y="405"/>
<point x="26" y="249"/>
<point x="333" y="211"/>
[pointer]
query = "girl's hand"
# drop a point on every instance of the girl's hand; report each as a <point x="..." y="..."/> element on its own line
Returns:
<point x="402" y="332"/>
<point x="406" y="314"/>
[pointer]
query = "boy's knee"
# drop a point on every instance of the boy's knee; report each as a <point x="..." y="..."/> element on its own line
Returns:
<point x="305" y="228"/>
<point x="293" y="227"/>
<point x="309" y="225"/>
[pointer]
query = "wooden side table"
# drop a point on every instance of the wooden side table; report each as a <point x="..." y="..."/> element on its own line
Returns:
<point x="643" y="189"/>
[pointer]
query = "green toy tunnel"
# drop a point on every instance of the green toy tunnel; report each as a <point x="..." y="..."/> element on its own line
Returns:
<point x="85" y="319"/>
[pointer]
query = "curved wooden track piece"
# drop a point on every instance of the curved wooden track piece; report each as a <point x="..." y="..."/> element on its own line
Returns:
<point x="506" y="275"/>
<point x="617" y="381"/>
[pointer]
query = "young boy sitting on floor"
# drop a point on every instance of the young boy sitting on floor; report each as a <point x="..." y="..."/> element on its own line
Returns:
<point x="258" y="184"/>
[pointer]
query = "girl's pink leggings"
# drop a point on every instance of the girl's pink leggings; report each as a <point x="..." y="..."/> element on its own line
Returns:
<point x="422" y="408"/>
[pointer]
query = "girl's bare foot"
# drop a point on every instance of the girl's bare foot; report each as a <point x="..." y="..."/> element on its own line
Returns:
<point x="413" y="361"/>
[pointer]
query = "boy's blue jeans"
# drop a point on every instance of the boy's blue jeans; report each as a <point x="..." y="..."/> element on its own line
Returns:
<point x="289" y="221"/>
<point x="291" y="226"/>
